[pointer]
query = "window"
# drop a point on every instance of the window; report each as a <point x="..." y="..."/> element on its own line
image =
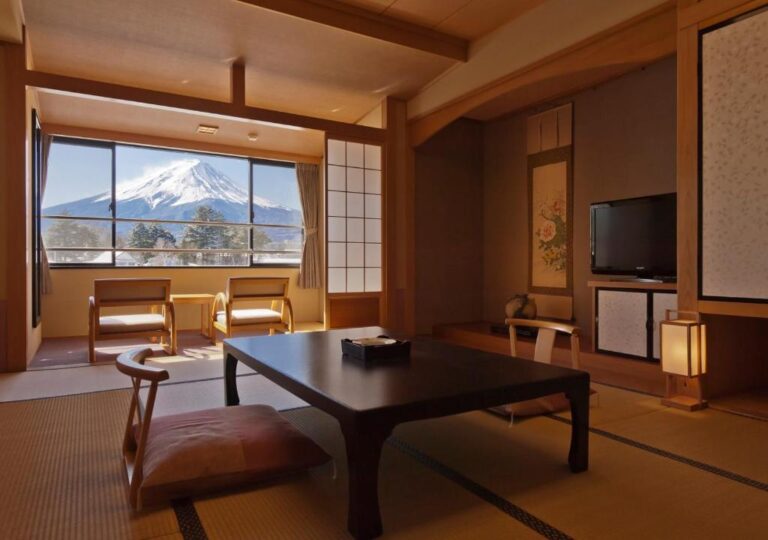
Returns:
<point x="122" y="205"/>
<point x="354" y="217"/>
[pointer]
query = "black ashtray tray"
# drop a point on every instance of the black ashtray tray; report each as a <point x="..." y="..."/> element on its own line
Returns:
<point x="374" y="351"/>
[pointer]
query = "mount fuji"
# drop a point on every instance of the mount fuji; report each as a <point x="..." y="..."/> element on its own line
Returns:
<point x="175" y="191"/>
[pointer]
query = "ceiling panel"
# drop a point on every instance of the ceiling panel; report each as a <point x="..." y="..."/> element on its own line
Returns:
<point x="56" y="108"/>
<point x="186" y="46"/>
<point x="481" y="17"/>
<point x="429" y="13"/>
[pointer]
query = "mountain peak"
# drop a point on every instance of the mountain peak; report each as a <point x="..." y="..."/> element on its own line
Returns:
<point x="181" y="182"/>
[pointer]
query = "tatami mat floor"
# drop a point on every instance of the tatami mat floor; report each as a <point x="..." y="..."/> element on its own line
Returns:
<point x="654" y="472"/>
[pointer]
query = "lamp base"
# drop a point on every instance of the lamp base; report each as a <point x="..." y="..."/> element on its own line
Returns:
<point x="685" y="403"/>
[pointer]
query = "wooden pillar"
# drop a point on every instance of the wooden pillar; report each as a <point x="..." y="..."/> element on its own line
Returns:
<point x="399" y="312"/>
<point x="14" y="189"/>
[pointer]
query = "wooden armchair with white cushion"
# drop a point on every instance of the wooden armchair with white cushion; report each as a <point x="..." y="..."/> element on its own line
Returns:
<point x="233" y="311"/>
<point x="152" y="293"/>
<point x="545" y="342"/>
<point x="202" y="451"/>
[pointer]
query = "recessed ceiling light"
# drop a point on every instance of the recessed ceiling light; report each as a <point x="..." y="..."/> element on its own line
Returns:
<point x="253" y="136"/>
<point x="207" y="130"/>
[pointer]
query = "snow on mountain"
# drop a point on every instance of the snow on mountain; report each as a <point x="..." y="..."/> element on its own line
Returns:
<point x="175" y="191"/>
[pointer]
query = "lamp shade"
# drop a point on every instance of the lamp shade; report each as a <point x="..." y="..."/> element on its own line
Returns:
<point x="683" y="348"/>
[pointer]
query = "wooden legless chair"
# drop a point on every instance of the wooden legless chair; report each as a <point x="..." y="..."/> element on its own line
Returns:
<point x="203" y="451"/>
<point x="230" y="320"/>
<point x="154" y="293"/>
<point x="545" y="342"/>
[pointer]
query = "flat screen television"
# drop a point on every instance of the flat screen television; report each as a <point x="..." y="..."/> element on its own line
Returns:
<point x="635" y="236"/>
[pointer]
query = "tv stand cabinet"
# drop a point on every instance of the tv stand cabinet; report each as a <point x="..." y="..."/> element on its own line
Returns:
<point x="626" y="316"/>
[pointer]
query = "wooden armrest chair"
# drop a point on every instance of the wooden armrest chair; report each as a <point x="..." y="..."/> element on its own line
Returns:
<point x="545" y="342"/>
<point x="154" y="293"/>
<point x="199" y="452"/>
<point x="230" y="319"/>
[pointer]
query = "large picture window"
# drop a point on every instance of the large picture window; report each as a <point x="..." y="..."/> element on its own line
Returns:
<point x="109" y="204"/>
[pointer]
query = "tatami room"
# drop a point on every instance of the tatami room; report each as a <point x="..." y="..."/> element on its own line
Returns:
<point x="383" y="268"/>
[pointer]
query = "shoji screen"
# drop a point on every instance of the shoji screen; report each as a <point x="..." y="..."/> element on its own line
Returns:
<point x="734" y="160"/>
<point x="354" y="211"/>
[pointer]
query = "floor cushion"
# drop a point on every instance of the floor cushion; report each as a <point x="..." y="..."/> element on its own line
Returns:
<point x="203" y="451"/>
<point x="534" y="407"/>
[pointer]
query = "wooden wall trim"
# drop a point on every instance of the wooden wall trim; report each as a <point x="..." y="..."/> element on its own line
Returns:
<point x="17" y="331"/>
<point x="617" y="50"/>
<point x="74" y="85"/>
<point x="367" y="23"/>
<point x="708" y="12"/>
<point x="169" y="142"/>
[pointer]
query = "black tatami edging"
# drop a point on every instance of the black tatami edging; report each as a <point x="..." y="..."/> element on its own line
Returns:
<point x="190" y="526"/>
<point x="751" y="482"/>
<point x="512" y="510"/>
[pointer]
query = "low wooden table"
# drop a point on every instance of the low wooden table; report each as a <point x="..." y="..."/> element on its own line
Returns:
<point x="205" y="301"/>
<point x="369" y="401"/>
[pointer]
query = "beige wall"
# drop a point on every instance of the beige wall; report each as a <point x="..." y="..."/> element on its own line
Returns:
<point x="624" y="146"/>
<point x="65" y="311"/>
<point x="449" y="226"/>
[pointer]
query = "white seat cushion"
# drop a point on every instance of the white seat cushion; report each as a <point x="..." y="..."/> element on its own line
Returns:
<point x="250" y="316"/>
<point x="118" y="324"/>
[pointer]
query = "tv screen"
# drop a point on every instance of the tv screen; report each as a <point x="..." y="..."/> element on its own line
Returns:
<point x="635" y="236"/>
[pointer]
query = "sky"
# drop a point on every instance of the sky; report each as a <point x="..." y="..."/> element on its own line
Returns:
<point x="76" y="172"/>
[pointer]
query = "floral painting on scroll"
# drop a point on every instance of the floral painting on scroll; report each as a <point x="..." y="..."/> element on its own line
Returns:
<point x="549" y="226"/>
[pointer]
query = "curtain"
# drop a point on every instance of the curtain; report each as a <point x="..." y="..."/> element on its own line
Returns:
<point x="307" y="176"/>
<point x="46" y="285"/>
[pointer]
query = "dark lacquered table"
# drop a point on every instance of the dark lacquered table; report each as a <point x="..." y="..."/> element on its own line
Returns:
<point x="439" y="379"/>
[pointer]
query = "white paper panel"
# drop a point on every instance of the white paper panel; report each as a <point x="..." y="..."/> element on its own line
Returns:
<point x="735" y="160"/>
<point x="355" y="180"/>
<point x="372" y="279"/>
<point x="355" y="206"/>
<point x="354" y="155"/>
<point x="373" y="206"/>
<point x="373" y="230"/>
<point x="337" y="280"/>
<point x="337" y="254"/>
<point x="621" y="322"/>
<point x="336" y="152"/>
<point x="355" y="280"/>
<point x="355" y="230"/>
<point x="337" y="229"/>
<point x="337" y="178"/>
<point x="661" y="303"/>
<point x="372" y="157"/>
<point x="337" y="203"/>
<point x="373" y="181"/>
<point x="373" y="255"/>
<point x="355" y="255"/>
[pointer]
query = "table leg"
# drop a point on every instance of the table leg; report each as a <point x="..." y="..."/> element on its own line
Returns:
<point x="230" y="380"/>
<point x="578" y="456"/>
<point x="363" y="453"/>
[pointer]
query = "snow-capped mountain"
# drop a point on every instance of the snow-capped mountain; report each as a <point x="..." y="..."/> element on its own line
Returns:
<point x="175" y="191"/>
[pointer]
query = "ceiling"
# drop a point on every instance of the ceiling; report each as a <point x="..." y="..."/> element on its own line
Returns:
<point x="468" y="19"/>
<point x="292" y="65"/>
<point x="102" y="114"/>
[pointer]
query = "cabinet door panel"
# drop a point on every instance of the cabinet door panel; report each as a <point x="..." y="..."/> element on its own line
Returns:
<point x="621" y="322"/>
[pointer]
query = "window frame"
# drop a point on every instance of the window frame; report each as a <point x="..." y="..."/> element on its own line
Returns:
<point x="112" y="146"/>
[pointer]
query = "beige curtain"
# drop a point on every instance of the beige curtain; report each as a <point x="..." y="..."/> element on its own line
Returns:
<point x="46" y="286"/>
<point x="308" y="176"/>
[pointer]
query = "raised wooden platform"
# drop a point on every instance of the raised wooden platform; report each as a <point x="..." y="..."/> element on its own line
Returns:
<point x="614" y="370"/>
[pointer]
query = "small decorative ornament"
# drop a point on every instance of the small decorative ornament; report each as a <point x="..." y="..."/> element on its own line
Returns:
<point x="520" y="306"/>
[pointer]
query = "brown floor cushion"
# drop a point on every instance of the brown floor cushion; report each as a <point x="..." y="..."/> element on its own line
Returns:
<point x="202" y="451"/>
<point x="533" y="407"/>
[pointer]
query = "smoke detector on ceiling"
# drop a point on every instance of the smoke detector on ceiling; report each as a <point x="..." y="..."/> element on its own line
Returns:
<point x="207" y="130"/>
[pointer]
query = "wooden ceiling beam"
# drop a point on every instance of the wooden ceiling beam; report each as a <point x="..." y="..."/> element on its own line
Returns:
<point x="237" y="88"/>
<point x="155" y="98"/>
<point x="368" y="23"/>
